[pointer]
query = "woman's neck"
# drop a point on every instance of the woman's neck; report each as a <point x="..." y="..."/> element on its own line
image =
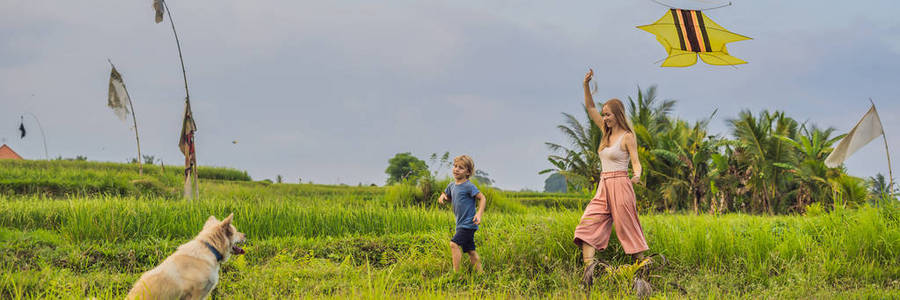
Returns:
<point x="615" y="130"/>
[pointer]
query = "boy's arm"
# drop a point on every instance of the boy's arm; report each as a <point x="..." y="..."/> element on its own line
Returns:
<point x="481" y="202"/>
<point x="442" y="197"/>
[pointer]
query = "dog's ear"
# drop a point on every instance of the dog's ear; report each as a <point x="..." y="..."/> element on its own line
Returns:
<point x="226" y="225"/>
<point x="228" y="219"/>
<point x="211" y="221"/>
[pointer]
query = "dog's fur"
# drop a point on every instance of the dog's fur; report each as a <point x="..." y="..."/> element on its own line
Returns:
<point x="192" y="272"/>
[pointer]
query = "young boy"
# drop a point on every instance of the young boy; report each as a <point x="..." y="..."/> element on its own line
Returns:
<point x="462" y="194"/>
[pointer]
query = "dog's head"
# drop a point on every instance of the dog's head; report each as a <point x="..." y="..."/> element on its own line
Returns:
<point x="224" y="236"/>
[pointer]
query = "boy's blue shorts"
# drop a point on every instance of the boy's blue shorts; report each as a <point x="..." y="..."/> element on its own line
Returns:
<point x="465" y="238"/>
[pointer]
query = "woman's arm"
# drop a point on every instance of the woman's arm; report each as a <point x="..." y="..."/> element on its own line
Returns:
<point x="589" y="100"/>
<point x="631" y="146"/>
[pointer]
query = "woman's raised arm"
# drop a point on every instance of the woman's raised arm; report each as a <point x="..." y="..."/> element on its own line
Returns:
<point x="589" y="100"/>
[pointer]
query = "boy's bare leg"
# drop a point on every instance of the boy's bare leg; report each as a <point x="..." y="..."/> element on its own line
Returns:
<point x="456" y="254"/>
<point x="476" y="261"/>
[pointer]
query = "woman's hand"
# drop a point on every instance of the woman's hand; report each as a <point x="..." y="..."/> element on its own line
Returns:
<point x="635" y="179"/>
<point x="593" y="113"/>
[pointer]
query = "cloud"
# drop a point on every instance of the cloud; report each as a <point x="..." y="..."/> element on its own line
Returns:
<point x="328" y="90"/>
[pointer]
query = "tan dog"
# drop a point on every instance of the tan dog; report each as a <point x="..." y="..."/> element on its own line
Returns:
<point x="193" y="270"/>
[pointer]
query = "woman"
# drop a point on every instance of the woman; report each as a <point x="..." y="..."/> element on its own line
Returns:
<point x="614" y="202"/>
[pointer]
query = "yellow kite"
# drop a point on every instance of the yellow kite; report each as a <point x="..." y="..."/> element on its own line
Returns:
<point x="688" y="33"/>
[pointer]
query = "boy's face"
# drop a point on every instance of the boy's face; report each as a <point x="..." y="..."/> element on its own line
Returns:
<point x="459" y="171"/>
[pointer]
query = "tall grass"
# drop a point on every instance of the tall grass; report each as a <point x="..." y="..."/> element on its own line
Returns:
<point x="371" y="242"/>
<point x="295" y="193"/>
<point x="407" y="250"/>
<point x="60" y="178"/>
<point x="113" y="218"/>
<point x="426" y="193"/>
<point x="860" y="244"/>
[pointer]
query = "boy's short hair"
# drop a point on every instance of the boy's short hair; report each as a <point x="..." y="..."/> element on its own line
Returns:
<point x="466" y="162"/>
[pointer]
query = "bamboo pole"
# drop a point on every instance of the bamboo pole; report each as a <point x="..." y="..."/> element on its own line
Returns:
<point x="43" y="136"/>
<point x="180" y="57"/>
<point x="887" y="151"/>
<point x="134" y="118"/>
<point x="187" y="100"/>
<point x="890" y="172"/>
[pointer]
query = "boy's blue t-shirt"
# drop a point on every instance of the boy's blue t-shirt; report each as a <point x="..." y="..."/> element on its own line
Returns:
<point x="464" y="204"/>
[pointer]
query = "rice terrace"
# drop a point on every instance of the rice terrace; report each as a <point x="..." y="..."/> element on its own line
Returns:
<point x="449" y="150"/>
<point x="84" y="229"/>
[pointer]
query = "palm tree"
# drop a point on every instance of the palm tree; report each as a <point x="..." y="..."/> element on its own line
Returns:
<point x="755" y="138"/>
<point x="879" y="184"/>
<point x="809" y="170"/>
<point x="849" y="190"/>
<point x="650" y="118"/>
<point x="880" y="189"/>
<point x="647" y="112"/>
<point x="728" y="181"/>
<point x="686" y="152"/>
<point x="581" y="163"/>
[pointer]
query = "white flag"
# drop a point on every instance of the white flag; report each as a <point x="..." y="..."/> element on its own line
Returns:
<point x="864" y="132"/>
<point x="118" y="97"/>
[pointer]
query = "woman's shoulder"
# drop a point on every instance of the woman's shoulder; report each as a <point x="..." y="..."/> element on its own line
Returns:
<point x="629" y="137"/>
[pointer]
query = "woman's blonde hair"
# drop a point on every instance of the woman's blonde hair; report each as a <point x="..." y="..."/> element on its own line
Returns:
<point x="466" y="162"/>
<point x="618" y="111"/>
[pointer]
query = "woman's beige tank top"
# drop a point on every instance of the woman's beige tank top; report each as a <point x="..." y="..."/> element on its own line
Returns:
<point x="613" y="158"/>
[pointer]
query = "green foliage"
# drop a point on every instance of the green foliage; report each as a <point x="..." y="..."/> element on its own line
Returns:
<point x="405" y="166"/>
<point x="558" y="201"/>
<point x="76" y="158"/>
<point x="404" y="194"/>
<point x="881" y="190"/>
<point x="849" y="191"/>
<point x="218" y="173"/>
<point x="756" y="138"/>
<point x="438" y="163"/>
<point x="555" y="183"/>
<point x="496" y="201"/>
<point x="678" y="167"/>
<point x="581" y="163"/>
<point x="482" y="177"/>
<point x="60" y="178"/>
<point x="771" y="164"/>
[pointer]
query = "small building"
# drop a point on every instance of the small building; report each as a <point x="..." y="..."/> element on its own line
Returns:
<point x="7" y="153"/>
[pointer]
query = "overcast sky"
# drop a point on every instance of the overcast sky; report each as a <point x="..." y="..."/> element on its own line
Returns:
<point x="328" y="91"/>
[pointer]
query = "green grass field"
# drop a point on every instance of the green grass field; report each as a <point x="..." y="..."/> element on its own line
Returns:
<point x="368" y="242"/>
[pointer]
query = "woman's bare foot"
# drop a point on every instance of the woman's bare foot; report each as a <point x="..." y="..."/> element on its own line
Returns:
<point x="587" y="278"/>
<point x="638" y="257"/>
